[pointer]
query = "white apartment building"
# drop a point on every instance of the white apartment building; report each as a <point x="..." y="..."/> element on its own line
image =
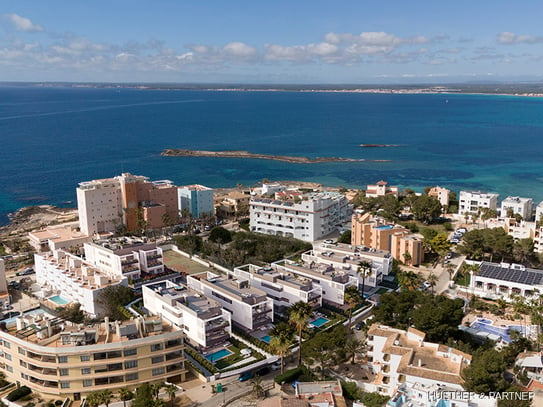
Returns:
<point x="471" y="201"/>
<point x="381" y="189"/>
<point x="271" y="189"/>
<point x="74" y="279"/>
<point x="285" y="289"/>
<point x="539" y="211"/>
<point x="348" y="257"/>
<point x="441" y="194"/>
<point x="203" y="321"/>
<point x="249" y="306"/>
<point x="333" y="281"/>
<point x="197" y="199"/>
<point x="518" y="230"/>
<point x="100" y="206"/>
<point x="403" y="357"/>
<point x="315" y="216"/>
<point x="505" y="281"/>
<point x="521" y="206"/>
<point x="130" y="261"/>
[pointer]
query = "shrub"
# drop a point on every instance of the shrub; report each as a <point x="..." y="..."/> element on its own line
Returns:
<point x="289" y="375"/>
<point x="351" y="390"/>
<point x="18" y="393"/>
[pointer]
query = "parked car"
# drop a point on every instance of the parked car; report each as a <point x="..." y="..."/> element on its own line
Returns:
<point x="328" y="241"/>
<point x="263" y="371"/>
<point x="359" y="325"/>
<point x="276" y="365"/>
<point x="245" y="376"/>
<point x="461" y="230"/>
<point x="427" y="284"/>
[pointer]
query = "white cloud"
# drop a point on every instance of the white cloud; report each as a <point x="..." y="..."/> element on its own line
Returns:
<point x="508" y="38"/>
<point x="239" y="49"/>
<point x="22" y="23"/>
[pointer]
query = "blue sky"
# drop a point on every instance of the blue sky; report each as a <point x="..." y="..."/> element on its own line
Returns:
<point x="271" y="41"/>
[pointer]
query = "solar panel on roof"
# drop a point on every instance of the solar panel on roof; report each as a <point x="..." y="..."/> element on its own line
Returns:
<point x="495" y="271"/>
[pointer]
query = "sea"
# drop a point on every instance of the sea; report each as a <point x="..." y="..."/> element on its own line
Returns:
<point x="52" y="138"/>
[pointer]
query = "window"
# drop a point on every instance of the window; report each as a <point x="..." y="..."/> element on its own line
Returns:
<point x="22" y="351"/>
<point x="86" y="370"/>
<point x="23" y="363"/>
<point x="130" y="364"/>
<point x="63" y="359"/>
<point x="9" y="368"/>
<point x="158" y="371"/>
<point x="7" y="356"/>
<point x="156" y="346"/>
<point x="7" y="344"/>
<point x="87" y="383"/>
<point x="131" y="376"/>
<point x="157" y="359"/>
<point x="85" y="358"/>
<point x="64" y="385"/>
<point x="63" y="372"/>
<point x="130" y="352"/>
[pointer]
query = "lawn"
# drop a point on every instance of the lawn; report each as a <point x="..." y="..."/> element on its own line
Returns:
<point x="382" y="290"/>
<point x="182" y="264"/>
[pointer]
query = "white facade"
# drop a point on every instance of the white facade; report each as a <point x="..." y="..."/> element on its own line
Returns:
<point x="506" y="281"/>
<point x="197" y="199"/>
<point x="381" y="189"/>
<point x="76" y="280"/>
<point x="315" y="216"/>
<point x="399" y="357"/>
<point x="201" y="319"/>
<point x="126" y="261"/>
<point x="347" y="257"/>
<point x="283" y="288"/>
<point x="521" y="206"/>
<point x="100" y="207"/>
<point x="333" y="281"/>
<point x="249" y="306"/>
<point x="441" y="194"/>
<point x="271" y="189"/>
<point x="471" y="201"/>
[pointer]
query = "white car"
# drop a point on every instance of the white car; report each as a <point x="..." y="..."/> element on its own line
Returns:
<point x="427" y="284"/>
<point x="276" y="365"/>
<point x="328" y="241"/>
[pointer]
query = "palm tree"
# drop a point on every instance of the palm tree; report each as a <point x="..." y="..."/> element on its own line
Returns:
<point x="171" y="390"/>
<point x="408" y="280"/>
<point x="364" y="269"/>
<point x="257" y="386"/>
<point x="105" y="397"/>
<point x="282" y="335"/>
<point x="125" y="395"/>
<point x="407" y="258"/>
<point x="354" y="346"/>
<point x="432" y="279"/>
<point x="155" y="389"/>
<point x="93" y="399"/>
<point x="352" y="298"/>
<point x="300" y="312"/>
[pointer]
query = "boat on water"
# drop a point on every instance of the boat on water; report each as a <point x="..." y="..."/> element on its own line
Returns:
<point x="381" y="145"/>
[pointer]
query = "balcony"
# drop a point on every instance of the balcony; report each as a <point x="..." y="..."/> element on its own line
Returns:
<point x="259" y="311"/>
<point x="127" y="262"/>
<point x="216" y="326"/>
<point x="154" y="257"/>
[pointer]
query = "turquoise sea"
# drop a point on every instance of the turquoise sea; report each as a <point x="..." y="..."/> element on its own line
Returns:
<point x="54" y="137"/>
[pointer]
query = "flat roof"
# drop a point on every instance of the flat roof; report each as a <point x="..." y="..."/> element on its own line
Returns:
<point x="498" y="272"/>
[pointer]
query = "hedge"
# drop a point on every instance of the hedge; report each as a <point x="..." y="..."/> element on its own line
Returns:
<point x="255" y="341"/>
<point x="290" y="375"/>
<point x="18" y="393"/>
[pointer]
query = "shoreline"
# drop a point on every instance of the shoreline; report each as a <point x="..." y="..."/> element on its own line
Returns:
<point x="177" y="152"/>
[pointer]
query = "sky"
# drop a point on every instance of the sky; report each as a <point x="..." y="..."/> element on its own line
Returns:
<point x="267" y="42"/>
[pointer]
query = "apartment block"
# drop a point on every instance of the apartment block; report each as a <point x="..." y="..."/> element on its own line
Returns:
<point x="197" y="199"/>
<point x="348" y="258"/>
<point x="518" y="205"/>
<point x="131" y="261"/>
<point x="75" y="279"/>
<point x="285" y="289"/>
<point x="57" y="237"/>
<point x="441" y="194"/>
<point x="250" y="307"/>
<point x="381" y="189"/>
<point x="376" y="233"/>
<point x="100" y="206"/>
<point x="230" y="205"/>
<point x="333" y="281"/>
<point x="472" y="201"/>
<point x="203" y="321"/>
<point x="315" y="216"/>
<point x="58" y="359"/>
<point x="402" y="357"/>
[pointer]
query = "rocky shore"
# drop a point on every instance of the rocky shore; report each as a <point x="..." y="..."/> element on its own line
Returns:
<point x="34" y="217"/>
<point x="175" y="152"/>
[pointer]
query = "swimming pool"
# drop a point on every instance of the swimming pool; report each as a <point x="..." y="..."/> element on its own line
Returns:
<point x="33" y="312"/>
<point x="220" y="354"/>
<point x="57" y="299"/>
<point x="266" y="339"/>
<point x="383" y="227"/>
<point x="485" y="325"/>
<point x="319" y="322"/>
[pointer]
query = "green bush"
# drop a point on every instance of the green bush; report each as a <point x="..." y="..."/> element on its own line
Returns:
<point x="18" y="393"/>
<point x="351" y="391"/>
<point x="293" y="374"/>
<point x="58" y="402"/>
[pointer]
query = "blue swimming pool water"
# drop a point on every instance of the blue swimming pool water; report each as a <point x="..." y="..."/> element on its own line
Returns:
<point x="57" y="299"/>
<point x="33" y="312"/>
<point x="502" y="331"/>
<point x="384" y="227"/>
<point x="266" y="339"/>
<point x="319" y="322"/>
<point x="215" y="356"/>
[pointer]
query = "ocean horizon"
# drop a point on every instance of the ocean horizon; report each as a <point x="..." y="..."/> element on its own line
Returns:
<point x="55" y="137"/>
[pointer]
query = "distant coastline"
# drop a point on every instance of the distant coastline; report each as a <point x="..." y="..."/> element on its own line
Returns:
<point x="175" y="152"/>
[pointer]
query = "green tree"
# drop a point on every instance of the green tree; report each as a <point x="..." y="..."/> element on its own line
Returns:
<point x="440" y="244"/>
<point x="171" y="390"/>
<point x="408" y="280"/>
<point x="300" y="313"/>
<point x="426" y="208"/>
<point x="220" y="235"/>
<point x="282" y="335"/>
<point x="256" y="384"/>
<point x="352" y="299"/>
<point x="354" y="346"/>
<point x="125" y="395"/>
<point x="345" y="237"/>
<point x="112" y="298"/>
<point x="523" y="250"/>
<point x="325" y="348"/>
<point x="105" y="397"/>
<point x="93" y="399"/>
<point x="486" y="372"/>
<point x="432" y="279"/>
<point x="374" y="399"/>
